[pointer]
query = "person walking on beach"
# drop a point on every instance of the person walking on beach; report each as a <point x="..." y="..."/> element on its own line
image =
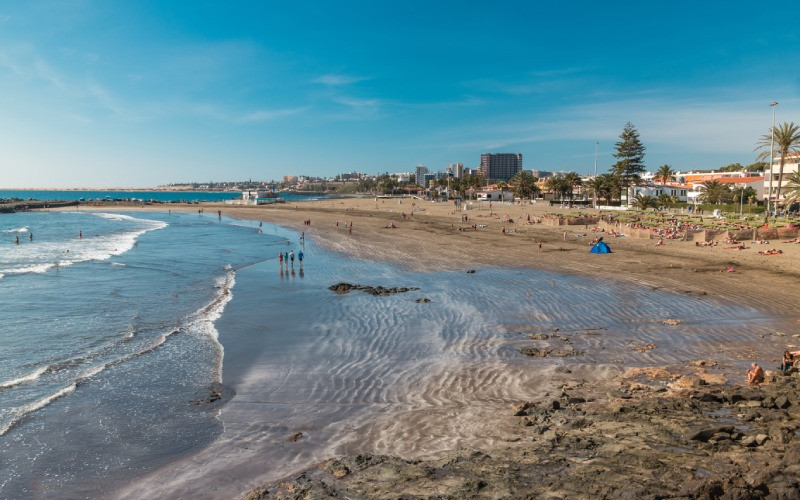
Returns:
<point x="300" y="258"/>
<point x="540" y="246"/>
<point x="291" y="257"/>
<point x="286" y="259"/>
<point x="280" y="259"/>
<point x="565" y="235"/>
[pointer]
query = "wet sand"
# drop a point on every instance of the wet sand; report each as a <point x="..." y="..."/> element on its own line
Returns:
<point x="430" y="242"/>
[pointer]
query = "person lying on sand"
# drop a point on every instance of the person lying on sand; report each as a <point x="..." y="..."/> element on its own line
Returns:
<point x="771" y="251"/>
<point x="755" y="375"/>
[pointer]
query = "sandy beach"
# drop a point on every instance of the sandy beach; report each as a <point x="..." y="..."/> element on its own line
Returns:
<point x="430" y="241"/>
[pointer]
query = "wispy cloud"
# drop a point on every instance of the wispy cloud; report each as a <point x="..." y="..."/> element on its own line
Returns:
<point x="264" y="115"/>
<point x="336" y="80"/>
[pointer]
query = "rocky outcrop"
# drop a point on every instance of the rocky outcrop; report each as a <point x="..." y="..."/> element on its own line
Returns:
<point x="665" y="440"/>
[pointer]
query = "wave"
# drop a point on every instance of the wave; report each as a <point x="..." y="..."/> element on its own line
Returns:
<point x="23" y="411"/>
<point x="23" y="229"/>
<point x="201" y="321"/>
<point x="25" y="378"/>
<point x="48" y="255"/>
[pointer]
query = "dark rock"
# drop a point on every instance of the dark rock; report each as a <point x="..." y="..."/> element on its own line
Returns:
<point x="535" y="352"/>
<point x="471" y="271"/>
<point x="707" y="397"/>
<point x="705" y="433"/>
<point x="423" y="300"/>
<point x="343" y="288"/>
<point x="539" y="336"/>
<point x="556" y="404"/>
<point x="575" y="400"/>
<point x="519" y="408"/>
<point x="782" y="402"/>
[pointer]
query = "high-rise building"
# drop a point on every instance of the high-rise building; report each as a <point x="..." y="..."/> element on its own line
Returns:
<point x="457" y="170"/>
<point x="420" y="174"/>
<point x="500" y="166"/>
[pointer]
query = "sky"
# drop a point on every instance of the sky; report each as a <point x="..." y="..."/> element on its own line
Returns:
<point x="146" y="93"/>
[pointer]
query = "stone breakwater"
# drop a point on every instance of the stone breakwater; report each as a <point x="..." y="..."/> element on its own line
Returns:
<point x="655" y="433"/>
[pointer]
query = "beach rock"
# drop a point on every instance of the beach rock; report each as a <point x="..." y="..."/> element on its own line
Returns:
<point x="423" y="300"/>
<point x="294" y="437"/>
<point x="539" y="336"/>
<point x="705" y="433"/>
<point x="519" y="408"/>
<point x="535" y="352"/>
<point x="471" y="271"/>
<point x="343" y="288"/>
<point x="672" y="322"/>
<point x="761" y="439"/>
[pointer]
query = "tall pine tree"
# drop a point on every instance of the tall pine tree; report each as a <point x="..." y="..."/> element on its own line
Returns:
<point x="629" y="155"/>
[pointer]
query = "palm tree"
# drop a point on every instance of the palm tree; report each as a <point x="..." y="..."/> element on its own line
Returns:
<point x="787" y="143"/>
<point x="792" y="189"/>
<point x="665" y="174"/>
<point x="524" y="184"/>
<point x="572" y="180"/>
<point x="557" y="185"/>
<point x="502" y="186"/>
<point x="595" y="187"/>
<point x="611" y="186"/>
<point x="715" y="192"/>
<point x="644" y="201"/>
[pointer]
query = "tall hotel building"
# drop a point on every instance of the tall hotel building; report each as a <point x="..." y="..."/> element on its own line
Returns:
<point x="500" y="166"/>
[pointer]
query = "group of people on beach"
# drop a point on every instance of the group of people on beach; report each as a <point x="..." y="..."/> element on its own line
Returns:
<point x="288" y="258"/>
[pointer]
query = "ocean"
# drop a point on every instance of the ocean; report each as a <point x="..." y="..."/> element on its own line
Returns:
<point x="157" y="196"/>
<point x="132" y="342"/>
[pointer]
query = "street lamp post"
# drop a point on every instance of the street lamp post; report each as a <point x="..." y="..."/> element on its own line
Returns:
<point x="596" y="143"/>
<point x="771" y="159"/>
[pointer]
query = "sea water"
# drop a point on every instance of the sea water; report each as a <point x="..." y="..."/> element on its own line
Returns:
<point x="110" y="359"/>
<point x="121" y="347"/>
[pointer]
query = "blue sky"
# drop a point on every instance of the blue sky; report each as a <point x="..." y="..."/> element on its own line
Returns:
<point x="124" y="93"/>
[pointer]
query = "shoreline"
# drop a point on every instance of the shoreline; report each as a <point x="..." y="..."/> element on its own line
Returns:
<point x="429" y="234"/>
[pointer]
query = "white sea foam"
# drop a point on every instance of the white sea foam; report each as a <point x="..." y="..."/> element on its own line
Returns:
<point x="25" y="378"/>
<point x="203" y="320"/>
<point x="48" y="255"/>
<point x="21" y="412"/>
<point x="23" y="229"/>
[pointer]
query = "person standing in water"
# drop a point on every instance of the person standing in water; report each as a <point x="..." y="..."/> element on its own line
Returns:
<point x="286" y="259"/>
<point x="280" y="259"/>
<point x="30" y="236"/>
<point x="291" y="258"/>
<point x="80" y="234"/>
<point x="300" y="258"/>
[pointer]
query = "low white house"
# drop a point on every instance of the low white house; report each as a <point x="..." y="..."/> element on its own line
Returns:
<point x="495" y="194"/>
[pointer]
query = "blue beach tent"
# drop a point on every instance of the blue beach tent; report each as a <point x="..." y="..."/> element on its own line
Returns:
<point x="600" y="247"/>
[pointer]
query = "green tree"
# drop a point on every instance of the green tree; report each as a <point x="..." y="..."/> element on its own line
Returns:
<point x="502" y="186"/>
<point x="524" y="185"/>
<point x="572" y="180"/>
<point x="595" y="188"/>
<point x="715" y="192"/>
<point x="786" y="143"/>
<point x="644" y="201"/>
<point x="630" y="157"/>
<point x="758" y="166"/>
<point x="558" y="185"/>
<point x="665" y="174"/>
<point x="792" y="189"/>
<point x="733" y="167"/>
